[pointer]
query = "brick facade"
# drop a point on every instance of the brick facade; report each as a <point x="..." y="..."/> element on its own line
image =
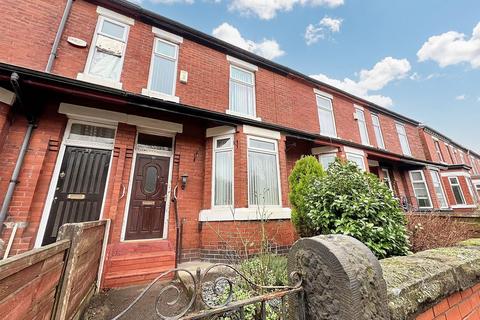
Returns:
<point x="284" y="101"/>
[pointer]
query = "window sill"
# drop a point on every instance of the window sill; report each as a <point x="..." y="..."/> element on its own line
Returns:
<point x="159" y="95"/>
<point x="244" y="214"/>
<point x="463" y="206"/>
<point x="107" y="83"/>
<point x="233" y="113"/>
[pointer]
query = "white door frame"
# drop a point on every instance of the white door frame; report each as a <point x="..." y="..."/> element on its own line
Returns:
<point x="58" y="164"/>
<point x="154" y="152"/>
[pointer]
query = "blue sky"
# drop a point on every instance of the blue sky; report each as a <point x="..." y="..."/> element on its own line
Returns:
<point x="419" y="58"/>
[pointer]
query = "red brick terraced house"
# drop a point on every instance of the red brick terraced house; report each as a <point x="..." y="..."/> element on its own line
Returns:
<point x="109" y="111"/>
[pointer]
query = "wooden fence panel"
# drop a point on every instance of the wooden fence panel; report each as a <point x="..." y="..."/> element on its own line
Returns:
<point x="29" y="282"/>
<point x="81" y="270"/>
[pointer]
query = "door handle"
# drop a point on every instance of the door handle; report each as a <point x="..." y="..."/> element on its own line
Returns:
<point x="124" y="191"/>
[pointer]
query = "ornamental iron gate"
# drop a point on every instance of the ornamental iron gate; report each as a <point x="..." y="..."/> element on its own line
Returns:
<point x="211" y="295"/>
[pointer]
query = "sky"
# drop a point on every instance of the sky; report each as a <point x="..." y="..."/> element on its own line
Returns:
<point x="418" y="58"/>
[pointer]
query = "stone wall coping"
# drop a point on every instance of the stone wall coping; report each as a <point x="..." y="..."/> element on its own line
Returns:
<point x="418" y="281"/>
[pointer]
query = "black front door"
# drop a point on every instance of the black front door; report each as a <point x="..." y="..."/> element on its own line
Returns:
<point x="80" y="189"/>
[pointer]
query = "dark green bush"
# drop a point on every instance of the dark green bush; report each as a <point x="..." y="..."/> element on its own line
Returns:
<point x="306" y="170"/>
<point x="351" y="202"/>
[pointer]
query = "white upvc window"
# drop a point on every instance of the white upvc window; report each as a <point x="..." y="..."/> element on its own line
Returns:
<point x="437" y="185"/>
<point x="242" y="91"/>
<point x="402" y="136"/>
<point x="223" y="168"/>
<point x="473" y="164"/>
<point x="386" y="178"/>
<point x="326" y="116"/>
<point x="457" y="190"/>
<point x="362" y="126"/>
<point x="471" y="189"/>
<point x="105" y="59"/>
<point x="462" y="158"/>
<point x="420" y="189"/>
<point x="438" y="151"/>
<point x="326" y="159"/>
<point x="378" y="131"/>
<point x="163" y="68"/>
<point x="263" y="172"/>
<point x="357" y="159"/>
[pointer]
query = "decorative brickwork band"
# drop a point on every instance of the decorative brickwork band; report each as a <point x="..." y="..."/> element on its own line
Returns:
<point x="342" y="279"/>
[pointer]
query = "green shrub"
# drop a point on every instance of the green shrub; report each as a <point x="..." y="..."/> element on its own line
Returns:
<point x="306" y="170"/>
<point x="351" y="202"/>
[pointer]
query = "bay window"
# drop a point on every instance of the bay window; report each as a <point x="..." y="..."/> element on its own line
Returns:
<point x="420" y="189"/>
<point x="437" y="186"/>
<point x="263" y="172"/>
<point x="327" y="159"/>
<point x="357" y="159"/>
<point x="223" y="171"/>
<point x="387" y="179"/>
<point x="457" y="190"/>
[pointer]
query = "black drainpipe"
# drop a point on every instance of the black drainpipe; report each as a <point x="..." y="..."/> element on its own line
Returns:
<point x="23" y="150"/>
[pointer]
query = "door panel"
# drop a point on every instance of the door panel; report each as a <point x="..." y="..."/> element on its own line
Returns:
<point x="146" y="214"/>
<point x="80" y="189"/>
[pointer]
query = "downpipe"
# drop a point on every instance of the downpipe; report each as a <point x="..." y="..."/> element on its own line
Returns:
<point x="178" y="228"/>
<point x="58" y="36"/>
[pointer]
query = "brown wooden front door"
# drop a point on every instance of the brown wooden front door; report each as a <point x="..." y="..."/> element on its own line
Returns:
<point x="80" y="189"/>
<point x="146" y="214"/>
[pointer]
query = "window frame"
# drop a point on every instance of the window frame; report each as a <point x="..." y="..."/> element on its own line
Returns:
<point x="424" y="181"/>
<point x="152" y="60"/>
<point x="330" y="154"/>
<point x="356" y="155"/>
<point x="401" y="125"/>
<point x="330" y="99"/>
<point x="438" y="150"/>
<point x="444" y="194"/>
<point x="457" y="184"/>
<point x="253" y="86"/>
<point x="101" y="19"/>
<point x="473" y="164"/>
<point x="214" y="151"/>
<point x="379" y="126"/>
<point x="387" y="177"/>
<point x="279" y="183"/>
<point x="362" y="124"/>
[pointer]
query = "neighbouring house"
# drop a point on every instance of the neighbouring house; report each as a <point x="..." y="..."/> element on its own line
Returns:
<point x="110" y="111"/>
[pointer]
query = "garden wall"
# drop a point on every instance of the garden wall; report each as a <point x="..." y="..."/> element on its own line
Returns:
<point x="343" y="280"/>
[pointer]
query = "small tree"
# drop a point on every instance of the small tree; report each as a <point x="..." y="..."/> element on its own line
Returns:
<point x="351" y="202"/>
<point x="306" y="170"/>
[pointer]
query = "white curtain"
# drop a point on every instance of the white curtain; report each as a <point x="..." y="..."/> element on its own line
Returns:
<point x="327" y="126"/>
<point x="241" y="92"/>
<point x="105" y="65"/>
<point x="163" y="75"/>
<point x="263" y="179"/>
<point x="223" y="178"/>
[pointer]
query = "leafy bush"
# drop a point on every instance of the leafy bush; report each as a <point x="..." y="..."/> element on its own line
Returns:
<point x="351" y="202"/>
<point x="306" y="170"/>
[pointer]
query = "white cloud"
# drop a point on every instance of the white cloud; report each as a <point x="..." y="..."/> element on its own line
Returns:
<point x="267" y="9"/>
<point x="452" y="48"/>
<point x="375" y="79"/>
<point x="460" y="97"/>
<point x="321" y="30"/>
<point x="267" y="48"/>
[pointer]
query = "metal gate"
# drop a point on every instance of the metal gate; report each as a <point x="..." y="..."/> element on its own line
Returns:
<point x="210" y="295"/>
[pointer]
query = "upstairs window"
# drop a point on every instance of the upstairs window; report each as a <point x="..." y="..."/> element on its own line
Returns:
<point x="438" y="151"/>
<point x="450" y="153"/>
<point x="325" y="115"/>
<point x="462" y="158"/>
<point x="437" y="185"/>
<point x="242" y="91"/>
<point x="378" y="131"/>
<point x="106" y="55"/>
<point x="420" y="189"/>
<point x="402" y="136"/>
<point x="223" y="171"/>
<point x="457" y="190"/>
<point x="362" y="126"/>
<point x="163" y="70"/>
<point x="263" y="172"/>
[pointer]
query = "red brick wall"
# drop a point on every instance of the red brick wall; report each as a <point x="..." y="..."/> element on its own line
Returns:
<point x="464" y="305"/>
